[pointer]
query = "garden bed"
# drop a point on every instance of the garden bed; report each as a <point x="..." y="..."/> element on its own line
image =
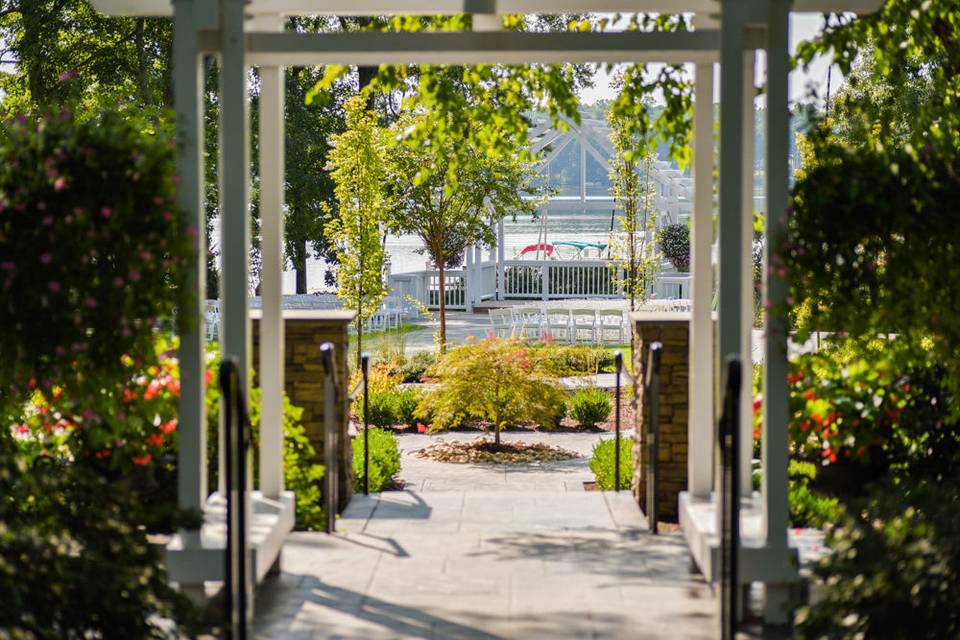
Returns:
<point x="482" y="450"/>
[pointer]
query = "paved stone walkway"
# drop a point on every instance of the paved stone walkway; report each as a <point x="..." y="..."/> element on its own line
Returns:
<point x="476" y="552"/>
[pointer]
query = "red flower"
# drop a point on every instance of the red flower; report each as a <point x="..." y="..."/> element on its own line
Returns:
<point x="421" y="428"/>
<point x="829" y="454"/>
<point x="152" y="390"/>
<point x="142" y="460"/>
<point x="168" y="427"/>
<point x="208" y="375"/>
<point x="129" y="395"/>
<point x="794" y="378"/>
<point x="174" y="386"/>
<point x="757" y="403"/>
<point x="156" y="439"/>
<point x="809" y="394"/>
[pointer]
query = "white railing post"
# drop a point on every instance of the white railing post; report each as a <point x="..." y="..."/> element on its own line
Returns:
<point x="545" y="282"/>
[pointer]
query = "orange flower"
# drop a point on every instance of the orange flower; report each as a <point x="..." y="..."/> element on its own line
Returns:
<point x="156" y="439"/>
<point x="142" y="460"/>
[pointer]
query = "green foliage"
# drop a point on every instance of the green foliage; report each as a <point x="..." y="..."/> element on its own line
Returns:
<point x="807" y="507"/>
<point x="874" y="247"/>
<point x="590" y="406"/>
<point x="108" y="262"/>
<point x="878" y="406"/>
<point x="603" y="463"/>
<point x="381" y="408"/>
<point x="631" y="251"/>
<point x="894" y="570"/>
<point x="497" y="381"/>
<point x="358" y="163"/>
<point x="405" y="403"/>
<point x="416" y="366"/>
<point x="567" y="360"/>
<point x="75" y="561"/>
<point x="639" y="85"/>
<point x="384" y="459"/>
<point x="674" y="243"/>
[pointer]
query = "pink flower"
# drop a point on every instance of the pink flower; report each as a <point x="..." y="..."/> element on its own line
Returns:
<point x="7" y="266"/>
<point x="106" y="212"/>
<point x="90" y="302"/>
<point x="157" y="200"/>
<point x="59" y="184"/>
<point x="47" y="221"/>
<point x="167" y="216"/>
<point x="53" y="286"/>
<point x="118" y="282"/>
<point x="146" y="256"/>
<point x="134" y="276"/>
<point x="491" y="335"/>
<point x="45" y="258"/>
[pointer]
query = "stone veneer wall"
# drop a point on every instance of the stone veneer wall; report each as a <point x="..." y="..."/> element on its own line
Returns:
<point x="304" y="332"/>
<point x="672" y="331"/>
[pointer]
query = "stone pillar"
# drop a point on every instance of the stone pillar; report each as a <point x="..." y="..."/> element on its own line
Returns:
<point x="304" y="332"/>
<point x="672" y="331"/>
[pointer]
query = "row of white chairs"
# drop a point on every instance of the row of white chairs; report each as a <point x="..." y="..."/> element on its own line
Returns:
<point x="585" y="324"/>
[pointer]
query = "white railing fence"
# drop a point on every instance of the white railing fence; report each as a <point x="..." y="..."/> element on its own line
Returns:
<point x="527" y="280"/>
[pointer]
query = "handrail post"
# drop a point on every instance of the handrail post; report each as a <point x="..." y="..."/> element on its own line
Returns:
<point x="330" y="433"/>
<point x="618" y="358"/>
<point x="365" y="365"/>
<point x="653" y="447"/>
<point x="237" y="572"/>
<point x="729" y="436"/>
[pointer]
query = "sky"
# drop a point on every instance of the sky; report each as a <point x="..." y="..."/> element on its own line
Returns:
<point x="802" y="27"/>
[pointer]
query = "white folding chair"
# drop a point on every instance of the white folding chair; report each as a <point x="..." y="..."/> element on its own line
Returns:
<point x="584" y="324"/>
<point x="610" y="326"/>
<point x="558" y="324"/>
<point x="529" y="323"/>
<point x="500" y="322"/>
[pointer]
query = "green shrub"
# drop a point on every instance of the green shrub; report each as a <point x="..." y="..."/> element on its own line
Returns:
<point x="384" y="459"/>
<point x="90" y="229"/>
<point x="807" y="507"/>
<point x="381" y="408"/>
<point x="500" y="382"/>
<point x="416" y="366"/>
<point x="894" y="570"/>
<point x="75" y="561"/>
<point x="568" y="360"/>
<point x="590" y="406"/>
<point x="405" y="403"/>
<point x="603" y="463"/>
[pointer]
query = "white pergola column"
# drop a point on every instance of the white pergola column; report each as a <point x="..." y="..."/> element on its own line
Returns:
<point x="188" y="80"/>
<point x="469" y="279"/>
<point x="746" y="273"/>
<point x="730" y="225"/>
<point x="774" y="437"/>
<point x="272" y="90"/>
<point x="234" y="205"/>
<point x="776" y="406"/>
<point x="700" y="422"/>
<point x="501" y="256"/>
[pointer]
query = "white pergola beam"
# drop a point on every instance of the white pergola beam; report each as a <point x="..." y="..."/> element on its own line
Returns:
<point x="453" y="7"/>
<point x="473" y="48"/>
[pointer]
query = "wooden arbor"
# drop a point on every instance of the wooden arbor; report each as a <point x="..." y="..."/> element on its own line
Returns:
<point x="729" y="32"/>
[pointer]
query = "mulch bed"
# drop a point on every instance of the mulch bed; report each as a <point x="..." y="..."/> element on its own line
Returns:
<point x="483" y="450"/>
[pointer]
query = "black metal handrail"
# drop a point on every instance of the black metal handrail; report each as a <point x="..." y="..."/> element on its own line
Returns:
<point x="237" y="572"/>
<point x="729" y="442"/>
<point x="365" y="368"/>
<point x="331" y="380"/>
<point x="651" y="388"/>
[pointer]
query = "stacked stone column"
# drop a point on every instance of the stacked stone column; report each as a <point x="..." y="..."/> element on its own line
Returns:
<point x="304" y="332"/>
<point x="672" y="331"/>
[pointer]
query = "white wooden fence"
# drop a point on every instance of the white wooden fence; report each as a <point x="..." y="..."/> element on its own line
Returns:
<point x="527" y="280"/>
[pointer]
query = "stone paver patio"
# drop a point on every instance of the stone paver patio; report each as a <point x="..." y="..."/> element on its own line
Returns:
<point x="477" y="552"/>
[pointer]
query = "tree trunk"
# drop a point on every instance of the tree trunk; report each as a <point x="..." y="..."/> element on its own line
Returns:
<point x="359" y="341"/>
<point x="443" y="309"/>
<point x="142" y="63"/>
<point x="299" y="260"/>
<point x="32" y="60"/>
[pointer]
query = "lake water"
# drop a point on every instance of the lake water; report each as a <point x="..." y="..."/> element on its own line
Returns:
<point x="571" y="226"/>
